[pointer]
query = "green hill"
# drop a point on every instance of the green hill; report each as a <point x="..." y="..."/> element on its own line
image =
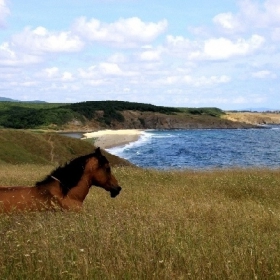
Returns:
<point x="101" y="114"/>
<point x="19" y="146"/>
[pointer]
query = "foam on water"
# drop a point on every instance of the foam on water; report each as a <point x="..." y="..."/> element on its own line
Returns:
<point x="122" y="151"/>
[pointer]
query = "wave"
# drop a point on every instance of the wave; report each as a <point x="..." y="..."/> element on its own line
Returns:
<point x="120" y="151"/>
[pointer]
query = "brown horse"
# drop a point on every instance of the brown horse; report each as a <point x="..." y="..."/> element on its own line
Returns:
<point x="65" y="188"/>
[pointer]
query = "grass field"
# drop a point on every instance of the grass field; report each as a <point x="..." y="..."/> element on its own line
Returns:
<point x="164" y="225"/>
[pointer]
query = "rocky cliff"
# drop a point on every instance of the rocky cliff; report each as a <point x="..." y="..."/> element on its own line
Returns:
<point x="150" y="120"/>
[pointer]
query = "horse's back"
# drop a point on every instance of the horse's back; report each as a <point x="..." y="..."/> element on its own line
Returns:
<point x="22" y="198"/>
<point x="14" y="191"/>
<point x="9" y="188"/>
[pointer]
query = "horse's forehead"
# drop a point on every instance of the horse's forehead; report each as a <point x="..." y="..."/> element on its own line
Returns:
<point x="98" y="162"/>
<point x="92" y="161"/>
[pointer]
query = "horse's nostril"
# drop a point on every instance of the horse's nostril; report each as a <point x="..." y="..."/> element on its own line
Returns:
<point x="114" y="192"/>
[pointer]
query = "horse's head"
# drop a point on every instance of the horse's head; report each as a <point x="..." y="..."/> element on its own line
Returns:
<point x="101" y="175"/>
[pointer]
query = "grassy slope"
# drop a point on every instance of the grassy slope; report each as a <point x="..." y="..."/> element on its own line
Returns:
<point x="19" y="146"/>
<point x="253" y="117"/>
<point x="163" y="225"/>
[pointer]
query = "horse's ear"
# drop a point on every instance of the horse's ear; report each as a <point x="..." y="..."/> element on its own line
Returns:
<point x="98" y="151"/>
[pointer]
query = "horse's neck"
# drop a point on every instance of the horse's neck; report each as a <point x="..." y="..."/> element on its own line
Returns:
<point x="80" y="191"/>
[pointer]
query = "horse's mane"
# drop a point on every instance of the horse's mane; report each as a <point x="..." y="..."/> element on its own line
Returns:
<point x="70" y="174"/>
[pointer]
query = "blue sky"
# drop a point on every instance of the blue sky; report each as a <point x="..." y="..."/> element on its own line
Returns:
<point x="222" y="53"/>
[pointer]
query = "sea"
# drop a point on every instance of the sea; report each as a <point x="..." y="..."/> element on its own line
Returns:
<point x="204" y="149"/>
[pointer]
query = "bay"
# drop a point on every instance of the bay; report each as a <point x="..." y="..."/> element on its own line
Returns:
<point x="76" y="135"/>
<point x="204" y="149"/>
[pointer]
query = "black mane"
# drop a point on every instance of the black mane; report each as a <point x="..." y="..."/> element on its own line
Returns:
<point x="70" y="174"/>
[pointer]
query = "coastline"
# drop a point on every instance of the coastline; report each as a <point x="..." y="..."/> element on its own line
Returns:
<point x="108" y="138"/>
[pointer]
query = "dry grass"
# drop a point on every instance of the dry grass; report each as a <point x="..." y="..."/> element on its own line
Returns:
<point x="164" y="225"/>
<point x="23" y="146"/>
<point x="253" y="117"/>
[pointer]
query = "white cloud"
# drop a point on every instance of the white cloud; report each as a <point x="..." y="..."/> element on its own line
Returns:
<point x="223" y="48"/>
<point x="271" y="13"/>
<point x="91" y="77"/>
<point x="51" y="72"/>
<point x="214" y="48"/>
<point x="67" y="76"/>
<point x="10" y="57"/>
<point x="40" y="40"/>
<point x="151" y="55"/>
<point x="194" y="81"/>
<point x="6" y="52"/>
<point x="4" y="12"/>
<point x="252" y="15"/>
<point x="206" y="81"/>
<point x="264" y="74"/>
<point x="110" y="69"/>
<point x="179" y="42"/>
<point x="259" y="15"/>
<point x="26" y="84"/>
<point x="54" y="74"/>
<point x="126" y="33"/>
<point x="183" y="48"/>
<point x="117" y="58"/>
<point x="104" y="71"/>
<point x="226" y="21"/>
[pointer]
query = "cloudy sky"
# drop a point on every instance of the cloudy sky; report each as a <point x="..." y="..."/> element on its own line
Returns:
<point x="222" y="53"/>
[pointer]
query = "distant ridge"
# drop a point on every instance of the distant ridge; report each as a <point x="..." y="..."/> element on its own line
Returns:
<point x="6" y="99"/>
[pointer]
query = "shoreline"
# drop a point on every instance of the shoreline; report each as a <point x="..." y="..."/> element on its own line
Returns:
<point x="108" y="138"/>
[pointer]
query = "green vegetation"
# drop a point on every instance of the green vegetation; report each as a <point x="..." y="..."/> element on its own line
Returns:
<point x="19" y="146"/>
<point x="21" y="115"/>
<point x="171" y="224"/>
<point x="90" y="107"/>
<point x="210" y="111"/>
<point x="42" y="105"/>
<point x="32" y="115"/>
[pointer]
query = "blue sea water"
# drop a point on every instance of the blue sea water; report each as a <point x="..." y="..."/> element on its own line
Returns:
<point x="204" y="149"/>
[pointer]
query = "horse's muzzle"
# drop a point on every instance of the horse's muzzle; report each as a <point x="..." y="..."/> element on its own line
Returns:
<point x="115" y="191"/>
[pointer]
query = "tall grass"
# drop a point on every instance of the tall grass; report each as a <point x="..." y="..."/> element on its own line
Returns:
<point x="164" y="225"/>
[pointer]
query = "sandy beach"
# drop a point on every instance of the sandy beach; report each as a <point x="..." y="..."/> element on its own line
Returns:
<point x="106" y="139"/>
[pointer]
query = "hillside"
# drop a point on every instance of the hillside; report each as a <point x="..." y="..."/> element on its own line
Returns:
<point x="93" y="115"/>
<point x="18" y="146"/>
<point x="254" y="118"/>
